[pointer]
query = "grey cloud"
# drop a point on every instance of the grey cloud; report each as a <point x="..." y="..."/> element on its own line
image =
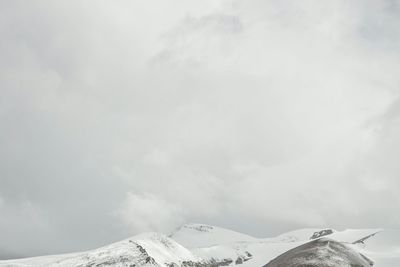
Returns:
<point x="261" y="117"/>
<point x="195" y="39"/>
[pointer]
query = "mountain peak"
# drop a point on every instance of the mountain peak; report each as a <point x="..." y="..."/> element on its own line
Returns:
<point x="197" y="227"/>
<point x="194" y="235"/>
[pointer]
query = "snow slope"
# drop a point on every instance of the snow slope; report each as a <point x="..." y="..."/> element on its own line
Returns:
<point x="383" y="248"/>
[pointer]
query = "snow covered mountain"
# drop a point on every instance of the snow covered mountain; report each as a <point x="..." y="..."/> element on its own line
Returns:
<point x="200" y="245"/>
<point x="149" y="249"/>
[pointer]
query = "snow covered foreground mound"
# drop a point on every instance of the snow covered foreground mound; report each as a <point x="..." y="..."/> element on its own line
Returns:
<point x="322" y="252"/>
<point x="199" y="245"/>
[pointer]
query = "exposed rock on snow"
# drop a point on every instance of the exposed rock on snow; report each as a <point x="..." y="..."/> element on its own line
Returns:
<point x="150" y="249"/>
<point x="321" y="233"/>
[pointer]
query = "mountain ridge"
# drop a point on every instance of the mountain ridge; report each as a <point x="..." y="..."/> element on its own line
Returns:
<point x="202" y="245"/>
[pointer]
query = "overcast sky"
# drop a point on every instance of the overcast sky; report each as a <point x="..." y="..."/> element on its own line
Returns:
<point x="119" y="117"/>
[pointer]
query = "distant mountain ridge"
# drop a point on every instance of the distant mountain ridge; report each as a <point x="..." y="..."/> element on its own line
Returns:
<point x="201" y="245"/>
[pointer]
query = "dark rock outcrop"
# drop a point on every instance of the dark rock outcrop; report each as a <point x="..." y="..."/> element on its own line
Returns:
<point x="321" y="233"/>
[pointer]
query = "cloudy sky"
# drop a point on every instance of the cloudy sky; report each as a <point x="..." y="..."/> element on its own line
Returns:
<point x="119" y="117"/>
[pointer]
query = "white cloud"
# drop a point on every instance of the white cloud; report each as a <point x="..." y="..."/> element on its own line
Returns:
<point x="148" y="212"/>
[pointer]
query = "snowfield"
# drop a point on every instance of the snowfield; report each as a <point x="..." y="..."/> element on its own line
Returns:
<point x="200" y="245"/>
